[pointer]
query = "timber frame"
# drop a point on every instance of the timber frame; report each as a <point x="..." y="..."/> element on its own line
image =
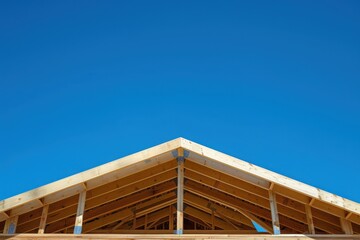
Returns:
<point x="178" y="190"/>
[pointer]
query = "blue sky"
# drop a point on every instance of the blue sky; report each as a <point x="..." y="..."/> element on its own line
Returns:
<point x="275" y="83"/>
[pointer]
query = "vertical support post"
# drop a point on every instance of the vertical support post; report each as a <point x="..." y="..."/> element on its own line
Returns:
<point x="212" y="220"/>
<point x="43" y="219"/>
<point x="10" y="225"/>
<point x="180" y="192"/>
<point x="274" y="213"/>
<point x="80" y="213"/>
<point x="146" y="222"/>
<point x="346" y="226"/>
<point x="309" y="219"/>
<point x="171" y="218"/>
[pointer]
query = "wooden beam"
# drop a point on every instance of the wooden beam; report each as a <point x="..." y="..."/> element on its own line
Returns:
<point x="274" y="212"/>
<point x="203" y="204"/>
<point x="239" y="205"/>
<point x="80" y="213"/>
<point x="171" y="218"/>
<point x="208" y="219"/>
<point x="93" y="177"/>
<point x="10" y="225"/>
<point x="189" y="235"/>
<point x="120" y="204"/>
<point x="246" y="196"/>
<point x="346" y="226"/>
<point x="238" y="167"/>
<point x="180" y="193"/>
<point x="147" y="206"/>
<point x="43" y="219"/>
<point x="228" y="179"/>
<point x="226" y="219"/>
<point x="96" y="203"/>
<point x="309" y="219"/>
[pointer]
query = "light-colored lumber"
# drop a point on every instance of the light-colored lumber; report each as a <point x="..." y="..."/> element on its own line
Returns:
<point x="123" y="166"/>
<point x="80" y="213"/>
<point x="207" y="218"/>
<point x="204" y="205"/>
<point x="105" y="209"/>
<point x="209" y="156"/>
<point x="10" y="225"/>
<point x="166" y="234"/>
<point x="264" y="203"/>
<point x="222" y="177"/>
<point x="171" y="218"/>
<point x="309" y="218"/>
<point x="274" y="212"/>
<point x="239" y="205"/>
<point x="122" y="214"/>
<point x="180" y="193"/>
<point x="346" y="226"/>
<point x="43" y="219"/>
<point x="122" y="203"/>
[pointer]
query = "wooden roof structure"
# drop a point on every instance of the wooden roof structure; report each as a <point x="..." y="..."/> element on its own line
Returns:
<point x="178" y="190"/>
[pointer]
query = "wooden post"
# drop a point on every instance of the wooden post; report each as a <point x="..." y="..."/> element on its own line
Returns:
<point x="274" y="213"/>
<point x="346" y="226"/>
<point x="309" y="219"/>
<point x="146" y="222"/>
<point x="180" y="193"/>
<point x="171" y="218"/>
<point x="10" y="225"/>
<point x="43" y="219"/>
<point x="80" y="213"/>
<point x="212" y="220"/>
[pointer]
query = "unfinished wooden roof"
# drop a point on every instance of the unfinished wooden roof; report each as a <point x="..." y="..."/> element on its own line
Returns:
<point x="178" y="187"/>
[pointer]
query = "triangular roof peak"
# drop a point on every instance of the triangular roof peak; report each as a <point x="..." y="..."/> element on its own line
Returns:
<point x="198" y="155"/>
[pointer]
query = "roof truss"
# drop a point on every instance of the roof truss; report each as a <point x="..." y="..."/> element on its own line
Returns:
<point x="138" y="193"/>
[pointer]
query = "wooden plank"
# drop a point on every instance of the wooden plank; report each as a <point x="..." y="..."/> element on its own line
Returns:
<point x="223" y="217"/>
<point x="3" y="216"/>
<point x="180" y="193"/>
<point x="274" y="212"/>
<point x="166" y="234"/>
<point x="231" y="171"/>
<point x="10" y="225"/>
<point x="116" y="186"/>
<point x="171" y="218"/>
<point x="148" y="207"/>
<point x="80" y="213"/>
<point x="211" y="157"/>
<point x="238" y="193"/>
<point x="204" y="205"/>
<point x="43" y="219"/>
<point x="245" y="190"/>
<point x="92" y="203"/>
<point x="309" y="219"/>
<point x="30" y="206"/>
<point x="115" y="206"/>
<point x="240" y="205"/>
<point x="222" y="177"/>
<point x="126" y="166"/>
<point x="122" y="214"/>
<point x="346" y="226"/>
<point x="208" y="218"/>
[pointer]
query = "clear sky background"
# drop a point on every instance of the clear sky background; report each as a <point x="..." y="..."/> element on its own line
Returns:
<point x="275" y="83"/>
